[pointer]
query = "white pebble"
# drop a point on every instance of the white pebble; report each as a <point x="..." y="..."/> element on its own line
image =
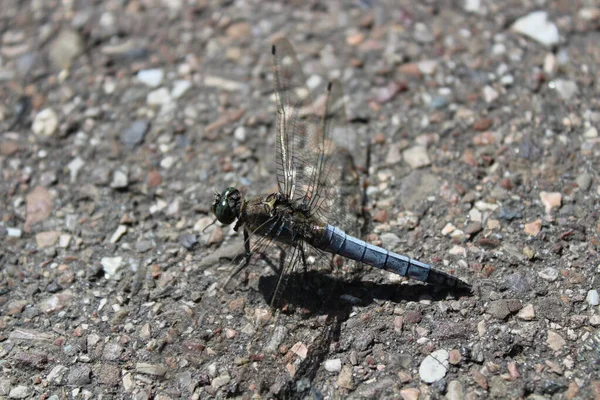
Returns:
<point x="151" y="77"/>
<point x="45" y="122"/>
<point x="592" y="298"/>
<point x="334" y="365"/>
<point x="434" y="367"/>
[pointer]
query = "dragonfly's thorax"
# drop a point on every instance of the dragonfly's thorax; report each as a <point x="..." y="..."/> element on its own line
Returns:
<point x="277" y="217"/>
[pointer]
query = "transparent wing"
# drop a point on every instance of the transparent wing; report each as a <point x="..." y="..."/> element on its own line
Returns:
<point x="335" y="189"/>
<point x="297" y="124"/>
<point x="314" y="161"/>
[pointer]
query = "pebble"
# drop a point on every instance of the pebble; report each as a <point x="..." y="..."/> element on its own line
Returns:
<point x="434" y="367"/>
<point x="151" y="77"/>
<point x="533" y="228"/>
<point x="121" y="230"/>
<point x="120" y="180"/>
<point x="19" y="392"/>
<point x="188" y="240"/>
<point x="79" y="375"/>
<point x="220" y="381"/>
<point x="158" y="97"/>
<point x="344" y="379"/>
<point x="549" y="274"/>
<point x="46" y="239"/>
<point x="591" y="133"/>
<point x="410" y="394"/>
<point x="57" y="374"/>
<point x="536" y="26"/>
<point x="134" y="134"/>
<point x="427" y="67"/>
<point x="555" y="341"/>
<point x="56" y="302"/>
<point x="112" y="351"/>
<point x="550" y="200"/>
<point x="240" y="134"/>
<point x="416" y="157"/>
<point x="565" y="88"/>
<point x="390" y="241"/>
<point x="109" y="375"/>
<point x="527" y="313"/>
<point x="180" y="87"/>
<point x="300" y="350"/>
<point x="45" y="123"/>
<point x="74" y="166"/>
<point x="455" y="390"/>
<point x="112" y="267"/>
<point x="584" y="181"/>
<point x="592" y="297"/>
<point x="279" y="334"/>
<point x="490" y="94"/>
<point x="333" y="365"/>
<point x="502" y="308"/>
<point x="151" y="369"/>
<point x="67" y="45"/>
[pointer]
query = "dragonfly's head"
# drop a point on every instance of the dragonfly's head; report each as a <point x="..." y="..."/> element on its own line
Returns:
<point x="226" y="206"/>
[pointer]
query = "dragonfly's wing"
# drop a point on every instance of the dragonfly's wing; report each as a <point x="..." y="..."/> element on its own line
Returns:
<point x="335" y="189"/>
<point x="297" y="124"/>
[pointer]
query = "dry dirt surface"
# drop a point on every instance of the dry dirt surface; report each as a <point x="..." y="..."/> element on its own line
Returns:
<point x="118" y="118"/>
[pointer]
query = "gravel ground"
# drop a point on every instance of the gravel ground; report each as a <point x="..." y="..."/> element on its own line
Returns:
<point x="118" y="118"/>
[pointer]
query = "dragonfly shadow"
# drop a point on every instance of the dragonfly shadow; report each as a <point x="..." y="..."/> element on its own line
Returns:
<point x="322" y="293"/>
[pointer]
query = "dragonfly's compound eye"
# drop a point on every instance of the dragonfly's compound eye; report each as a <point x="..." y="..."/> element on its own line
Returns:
<point x="226" y="206"/>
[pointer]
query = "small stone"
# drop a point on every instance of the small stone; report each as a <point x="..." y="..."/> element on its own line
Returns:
<point x="79" y="375"/>
<point x="158" y="97"/>
<point x="454" y="357"/>
<point x="188" y="240"/>
<point x="455" y="390"/>
<point x="67" y="45"/>
<point x="57" y="374"/>
<point x="179" y="88"/>
<point x="151" y="77"/>
<point x="344" y="379"/>
<point x="566" y="89"/>
<point x="550" y="200"/>
<point x="120" y="180"/>
<point x="112" y="267"/>
<point x="536" y="26"/>
<point x="472" y="6"/>
<point x="15" y="307"/>
<point x="555" y="341"/>
<point x="74" y="166"/>
<point x="239" y="30"/>
<point x="19" y="392"/>
<point x="56" y="302"/>
<point x="121" y="230"/>
<point x="592" y="297"/>
<point x="591" y="133"/>
<point x="490" y="94"/>
<point x="8" y="148"/>
<point x="46" y="239"/>
<point x="502" y="308"/>
<point x="39" y="206"/>
<point x="410" y="394"/>
<point x="527" y="313"/>
<point x="333" y="365"/>
<point x="128" y="382"/>
<point x="434" y="367"/>
<point x="279" y="334"/>
<point x="427" y="67"/>
<point x="112" y="351"/>
<point x="109" y="375"/>
<point x="549" y="274"/>
<point x="220" y="381"/>
<point x="45" y="123"/>
<point x="584" y="181"/>
<point x="134" y="134"/>
<point x="151" y="369"/>
<point x="390" y="241"/>
<point x="416" y="157"/>
<point x="300" y="350"/>
<point x="410" y="69"/>
<point x="533" y="228"/>
<point x="482" y="124"/>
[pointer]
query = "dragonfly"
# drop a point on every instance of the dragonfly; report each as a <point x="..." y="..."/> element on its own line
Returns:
<point x="314" y="208"/>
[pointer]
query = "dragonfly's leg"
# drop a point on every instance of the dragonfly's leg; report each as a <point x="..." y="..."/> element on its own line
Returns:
<point x="304" y="264"/>
<point x="245" y="262"/>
